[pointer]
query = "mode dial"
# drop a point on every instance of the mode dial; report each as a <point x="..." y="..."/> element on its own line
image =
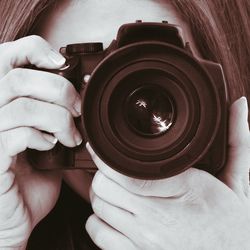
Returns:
<point x="84" y="48"/>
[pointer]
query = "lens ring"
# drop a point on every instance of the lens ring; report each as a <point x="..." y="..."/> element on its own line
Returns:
<point x="95" y="110"/>
<point x="141" y="147"/>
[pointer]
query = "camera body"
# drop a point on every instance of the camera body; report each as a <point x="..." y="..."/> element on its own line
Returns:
<point x="150" y="108"/>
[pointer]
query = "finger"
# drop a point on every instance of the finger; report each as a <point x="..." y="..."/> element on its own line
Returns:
<point x="39" y="85"/>
<point x="236" y="172"/>
<point x="17" y="140"/>
<point x="121" y="220"/>
<point x="170" y="187"/>
<point x="113" y="193"/>
<point x="29" y="50"/>
<point x="25" y="112"/>
<point x="106" y="237"/>
<point x="150" y="206"/>
<point x="13" y="217"/>
<point x="12" y="235"/>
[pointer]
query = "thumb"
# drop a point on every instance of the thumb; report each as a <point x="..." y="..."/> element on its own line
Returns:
<point x="236" y="172"/>
<point x="174" y="186"/>
<point x="29" y="50"/>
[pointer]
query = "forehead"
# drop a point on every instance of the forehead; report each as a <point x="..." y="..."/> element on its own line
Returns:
<point x="75" y="21"/>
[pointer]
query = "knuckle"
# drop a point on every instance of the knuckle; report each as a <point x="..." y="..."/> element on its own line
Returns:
<point x="66" y="93"/>
<point x="6" y="180"/>
<point x="35" y="41"/>
<point x="25" y="105"/>
<point x="91" y="193"/>
<point x="191" y="199"/>
<point x="67" y="119"/>
<point x="140" y="185"/>
<point x="27" y="132"/>
<point x="97" y="182"/>
<point x="64" y="87"/>
<point x="15" y="74"/>
<point x="15" y="138"/>
<point x="196" y="196"/>
<point x="5" y="142"/>
<point x="4" y="47"/>
<point x="97" y="206"/>
<point x="13" y="78"/>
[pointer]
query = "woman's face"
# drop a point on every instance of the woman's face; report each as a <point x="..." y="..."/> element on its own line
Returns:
<point x="77" y="21"/>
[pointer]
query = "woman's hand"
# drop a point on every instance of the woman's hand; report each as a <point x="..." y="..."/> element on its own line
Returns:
<point x="31" y="103"/>
<point x="193" y="210"/>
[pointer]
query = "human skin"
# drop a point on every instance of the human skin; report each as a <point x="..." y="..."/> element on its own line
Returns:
<point x="27" y="195"/>
<point x="145" y="205"/>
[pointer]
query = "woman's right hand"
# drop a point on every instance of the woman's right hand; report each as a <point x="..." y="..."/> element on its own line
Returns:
<point x="32" y="102"/>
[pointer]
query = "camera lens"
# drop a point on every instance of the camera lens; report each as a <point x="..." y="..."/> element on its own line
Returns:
<point x="150" y="110"/>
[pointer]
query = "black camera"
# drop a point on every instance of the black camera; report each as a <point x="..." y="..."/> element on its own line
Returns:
<point x="150" y="108"/>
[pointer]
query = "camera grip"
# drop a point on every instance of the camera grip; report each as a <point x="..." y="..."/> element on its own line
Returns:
<point x="62" y="158"/>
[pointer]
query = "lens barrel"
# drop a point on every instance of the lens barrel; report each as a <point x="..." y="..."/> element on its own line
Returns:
<point x="151" y="110"/>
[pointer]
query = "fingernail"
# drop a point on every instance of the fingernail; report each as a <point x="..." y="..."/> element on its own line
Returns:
<point x="50" y="138"/>
<point x="56" y="58"/>
<point x="244" y="104"/>
<point x="243" y="98"/>
<point x="89" y="149"/>
<point x="78" y="106"/>
<point x="78" y="138"/>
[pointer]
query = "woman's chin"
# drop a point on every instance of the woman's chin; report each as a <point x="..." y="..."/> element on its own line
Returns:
<point x="80" y="181"/>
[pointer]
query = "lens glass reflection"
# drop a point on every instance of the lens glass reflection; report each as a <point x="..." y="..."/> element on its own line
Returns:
<point x="150" y="110"/>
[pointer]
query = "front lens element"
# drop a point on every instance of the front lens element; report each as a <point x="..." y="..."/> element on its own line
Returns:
<point x="150" y="110"/>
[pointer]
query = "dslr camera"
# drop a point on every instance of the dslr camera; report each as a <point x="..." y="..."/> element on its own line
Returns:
<point x="150" y="108"/>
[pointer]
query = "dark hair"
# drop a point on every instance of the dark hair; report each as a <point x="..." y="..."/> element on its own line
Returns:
<point x="221" y="32"/>
<point x="220" y="28"/>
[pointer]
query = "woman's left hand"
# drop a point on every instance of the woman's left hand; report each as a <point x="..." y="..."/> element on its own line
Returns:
<point x="192" y="210"/>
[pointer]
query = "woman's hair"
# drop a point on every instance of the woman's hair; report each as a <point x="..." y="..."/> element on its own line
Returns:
<point x="220" y="29"/>
<point x="17" y="17"/>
